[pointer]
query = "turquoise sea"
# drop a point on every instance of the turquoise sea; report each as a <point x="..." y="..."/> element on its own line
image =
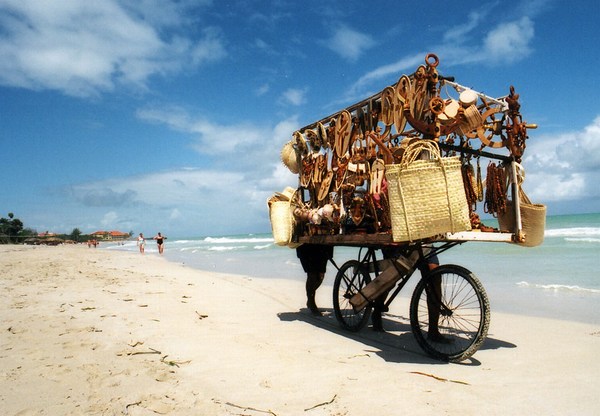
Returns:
<point x="558" y="279"/>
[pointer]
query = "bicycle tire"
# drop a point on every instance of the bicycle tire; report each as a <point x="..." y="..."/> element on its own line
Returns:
<point x="350" y="278"/>
<point x="464" y="314"/>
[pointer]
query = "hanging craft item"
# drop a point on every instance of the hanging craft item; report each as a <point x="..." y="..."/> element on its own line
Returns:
<point x="388" y="106"/>
<point x="281" y="207"/>
<point x="370" y="156"/>
<point x="479" y="183"/>
<point x="495" y="190"/>
<point x="533" y="217"/>
<point x="289" y="157"/>
<point x="325" y="186"/>
<point x="427" y="197"/>
<point x="470" y="184"/>
<point x="306" y="174"/>
<point x="377" y="175"/>
<point x="314" y="140"/>
<point x="322" y="135"/>
<point x="343" y="128"/>
<point x="403" y="91"/>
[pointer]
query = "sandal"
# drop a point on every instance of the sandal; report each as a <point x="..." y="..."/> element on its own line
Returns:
<point x="343" y="128"/>
<point x="403" y="90"/>
<point x="325" y="186"/>
<point x="377" y="174"/>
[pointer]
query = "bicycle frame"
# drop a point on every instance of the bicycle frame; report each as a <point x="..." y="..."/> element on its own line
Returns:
<point x="369" y="259"/>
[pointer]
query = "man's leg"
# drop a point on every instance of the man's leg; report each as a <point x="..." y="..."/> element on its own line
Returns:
<point x="434" y="306"/>
<point x="313" y="281"/>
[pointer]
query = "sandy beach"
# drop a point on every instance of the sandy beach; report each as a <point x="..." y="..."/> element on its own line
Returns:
<point x="91" y="331"/>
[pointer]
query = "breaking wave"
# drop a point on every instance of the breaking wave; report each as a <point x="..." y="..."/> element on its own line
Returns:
<point x="558" y="287"/>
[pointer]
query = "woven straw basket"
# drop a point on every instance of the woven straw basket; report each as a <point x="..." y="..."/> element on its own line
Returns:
<point x="282" y="222"/>
<point x="533" y="220"/>
<point x="427" y="197"/>
<point x="281" y="213"/>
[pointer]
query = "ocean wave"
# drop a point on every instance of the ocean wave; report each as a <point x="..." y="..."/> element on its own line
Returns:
<point x="582" y="240"/>
<point x="233" y="240"/>
<point x="190" y="248"/>
<point x="574" y="232"/>
<point x="225" y="248"/>
<point x="558" y="287"/>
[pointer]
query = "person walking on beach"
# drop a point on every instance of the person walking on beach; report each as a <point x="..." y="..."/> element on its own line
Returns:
<point x="141" y="242"/>
<point x="160" y="241"/>
<point x="313" y="258"/>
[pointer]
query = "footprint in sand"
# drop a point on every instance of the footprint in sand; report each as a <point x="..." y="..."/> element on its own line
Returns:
<point x="27" y="412"/>
<point x="157" y="404"/>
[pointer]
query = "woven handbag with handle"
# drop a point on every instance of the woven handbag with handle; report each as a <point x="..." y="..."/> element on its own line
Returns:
<point x="281" y="213"/>
<point x="427" y="196"/>
<point x="533" y="220"/>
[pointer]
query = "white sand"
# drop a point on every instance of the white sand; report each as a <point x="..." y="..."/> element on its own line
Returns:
<point x="89" y="331"/>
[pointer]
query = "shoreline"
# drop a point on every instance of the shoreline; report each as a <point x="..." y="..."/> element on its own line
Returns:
<point x="552" y="301"/>
<point x="98" y="331"/>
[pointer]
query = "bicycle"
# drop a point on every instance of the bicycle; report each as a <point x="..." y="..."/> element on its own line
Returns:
<point x="450" y="297"/>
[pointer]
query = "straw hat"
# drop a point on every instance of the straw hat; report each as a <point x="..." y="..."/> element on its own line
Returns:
<point x="287" y="194"/>
<point x="289" y="157"/>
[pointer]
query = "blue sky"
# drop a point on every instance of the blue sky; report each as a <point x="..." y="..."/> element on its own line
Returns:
<point x="169" y="116"/>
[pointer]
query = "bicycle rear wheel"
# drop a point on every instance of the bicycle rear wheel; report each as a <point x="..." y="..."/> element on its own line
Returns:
<point x="351" y="278"/>
<point x="450" y="313"/>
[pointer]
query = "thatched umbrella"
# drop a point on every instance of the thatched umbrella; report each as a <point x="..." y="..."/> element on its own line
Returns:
<point x="52" y="241"/>
<point x="32" y="241"/>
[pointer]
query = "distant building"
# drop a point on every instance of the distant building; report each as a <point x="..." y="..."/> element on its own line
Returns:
<point x="110" y="235"/>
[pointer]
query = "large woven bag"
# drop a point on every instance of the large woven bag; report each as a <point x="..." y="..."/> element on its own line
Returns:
<point x="282" y="223"/>
<point x="281" y="214"/>
<point x="533" y="220"/>
<point x="427" y="197"/>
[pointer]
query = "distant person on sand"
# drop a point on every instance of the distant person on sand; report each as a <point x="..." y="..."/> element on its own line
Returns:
<point x="313" y="258"/>
<point x="141" y="242"/>
<point x="160" y="241"/>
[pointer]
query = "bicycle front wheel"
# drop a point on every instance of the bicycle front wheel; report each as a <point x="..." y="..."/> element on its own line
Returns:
<point x="450" y="313"/>
<point x="351" y="278"/>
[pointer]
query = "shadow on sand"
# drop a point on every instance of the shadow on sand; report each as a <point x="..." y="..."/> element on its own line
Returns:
<point x="397" y="344"/>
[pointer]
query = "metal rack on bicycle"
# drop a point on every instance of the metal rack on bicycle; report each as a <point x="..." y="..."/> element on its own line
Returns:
<point x="394" y="173"/>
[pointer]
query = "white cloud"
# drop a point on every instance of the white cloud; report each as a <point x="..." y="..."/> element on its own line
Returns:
<point x="109" y="219"/>
<point x="504" y="43"/>
<point x="83" y="48"/>
<point x="198" y="200"/>
<point x="565" y="167"/>
<point x="348" y="43"/>
<point x="294" y="96"/>
<point x="209" y="48"/>
<point x="460" y="32"/>
<point x="408" y="62"/>
<point x="211" y="138"/>
<point x="237" y="145"/>
<point x="262" y="90"/>
<point x="175" y="214"/>
<point x="509" y="41"/>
